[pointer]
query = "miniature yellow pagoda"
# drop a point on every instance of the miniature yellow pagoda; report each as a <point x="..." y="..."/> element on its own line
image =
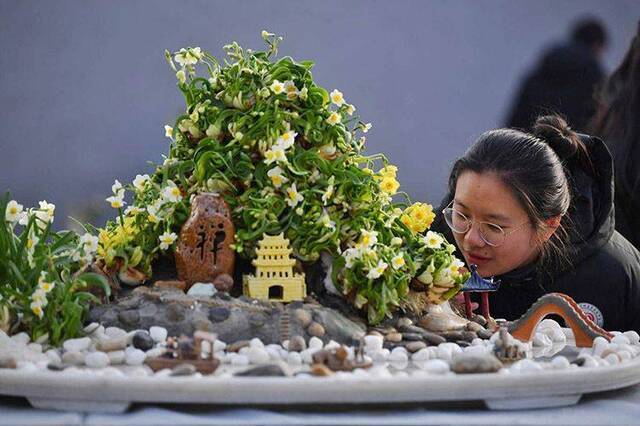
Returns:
<point x="274" y="278"/>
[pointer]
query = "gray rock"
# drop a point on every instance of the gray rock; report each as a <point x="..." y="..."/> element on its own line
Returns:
<point x="452" y="336"/>
<point x="183" y="370"/>
<point x="479" y="319"/>
<point x="440" y="321"/>
<point x="129" y="317"/>
<point x="469" y="364"/>
<point x="55" y="366"/>
<point x="316" y="329"/>
<point x="142" y="340"/>
<point x="232" y="319"/>
<point x="485" y="334"/>
<point x="474" y="326"/>
<point x="403" y="322"/>
<point x="297" y="344"/>
<point x="394" y="337"/>
<point x="262" y="371"/>
<point x="202" y="290"/>
<point x="413" y="337"/>
<point x="218" y="314"/>
<point x="469" y="336"/>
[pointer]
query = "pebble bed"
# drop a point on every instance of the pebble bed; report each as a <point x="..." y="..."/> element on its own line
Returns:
<point x="115" y="352"/>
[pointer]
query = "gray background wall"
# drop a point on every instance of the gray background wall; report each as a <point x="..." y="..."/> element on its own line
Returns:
<point x="85" y="90"/>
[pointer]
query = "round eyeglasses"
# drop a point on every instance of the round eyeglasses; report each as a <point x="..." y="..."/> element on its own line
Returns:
<point x="490" y="233"/>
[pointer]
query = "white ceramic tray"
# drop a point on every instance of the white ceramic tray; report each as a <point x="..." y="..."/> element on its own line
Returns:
<point x="88" y="392"/>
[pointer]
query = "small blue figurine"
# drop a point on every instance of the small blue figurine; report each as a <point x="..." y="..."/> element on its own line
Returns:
<point x="477" y="284"/>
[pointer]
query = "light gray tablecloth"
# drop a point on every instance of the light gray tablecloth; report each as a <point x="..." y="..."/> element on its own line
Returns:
<point x="617" y="407"/>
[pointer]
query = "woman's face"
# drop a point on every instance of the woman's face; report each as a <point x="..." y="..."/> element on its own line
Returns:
<point x="483" y="197"/>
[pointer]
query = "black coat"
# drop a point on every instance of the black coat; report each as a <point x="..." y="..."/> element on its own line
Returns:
<point x="603" y="268"/>
<point x="563" y="82"/>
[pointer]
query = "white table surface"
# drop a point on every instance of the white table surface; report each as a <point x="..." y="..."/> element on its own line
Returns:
<point x="620" y="407"/>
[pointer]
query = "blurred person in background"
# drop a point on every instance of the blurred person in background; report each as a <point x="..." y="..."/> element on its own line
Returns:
<point x="617" y="122"/>
<point x="565" y="79"/>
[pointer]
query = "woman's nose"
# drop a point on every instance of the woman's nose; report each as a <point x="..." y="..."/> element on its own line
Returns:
<point x="473" y="238"/>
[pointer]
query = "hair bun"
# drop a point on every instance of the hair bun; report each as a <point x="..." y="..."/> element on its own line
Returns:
<point x="555" y="131"/>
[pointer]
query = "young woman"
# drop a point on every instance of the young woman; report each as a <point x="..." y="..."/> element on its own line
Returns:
<point x="536" y="212"/>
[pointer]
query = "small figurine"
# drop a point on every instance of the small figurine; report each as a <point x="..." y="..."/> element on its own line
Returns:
<point x="204" y="250"/>
<point x="186" y="350"/>
<point x="477" y="284"/>
<point x="274" y="278"/>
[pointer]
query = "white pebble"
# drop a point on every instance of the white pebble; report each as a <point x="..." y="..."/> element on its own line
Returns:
<point x="589" y="361"/>
<point x="97" y="360"/>
<point x="53" y="356"/>
<point x="116" y="357"/>
<point x="219" y="345"/>
<point x="155" y="352"/>
<point x="315" y="343"/>
<point x="621" y="339"/>
<point x="625" y="355"/>
<point x="21" y="338"/>
<point x="399" y="355"/>
<point x="560" y="363"/>
<point x="240" y="360"/>
<point x="380" y="355"/>
<point x="73" y="358"/>
<point x="258" y="355"/>
<point x="332" y="345"/>
<point x="633" y="337"/>
<point x="373" y="343"/>
<point x="599" y="346"/>
<point x="244" y="351"/>
<point x="256" y="343"/>
<point x="436" y="366"/>
<point x="477" y="342"/>
<point x="92" y="328"/>
<point x="135" y="357"/>
<point x="202" y="290"/>
<point x="475" y="350"/>
<point x="307" y="355"/>
<point x="77" y="345"/>
<point x="612" y="359"/>
<point x="548" y="323"/>
<point x="274" y="354"/>
<point x="294" y="358"/>
<point x="35" y="348"/>
<point x="158" y="334"/>
<point x="541" y="339"/>
<point x="380" y="371"/>
<point x="26" y="366"/>
<point x="421" y="355"/>
<point x="115" y="332"/>
<point x="526" y="366"/>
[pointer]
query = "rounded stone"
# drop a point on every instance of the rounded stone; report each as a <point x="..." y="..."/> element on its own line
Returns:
<point x="316" y="329"/>
<point x="303" y="316"/>
<point x="158" y="334"/>
<point x="116" y="357"/>
<point x="142" y="340"/>
<point x="203" y="290"/>
<point x="129" y="317"/>
<point x="8" y="362"/>
<point x="112" y="344"/>
<point x="218" y="314"/>
<point x="398" y="355"/>
<point x="135" y="357"/>
<point x="435" y="366"/>
<point x="236" y="346"/>
<point x="183" y="370"/>
<point x="394" y="337"/>
<point x="560" y="363"/>
<point x="633" y="337"/>
<point x="96" y="360"/>
<point x="373" y="342"/>
<point x="258" y="355"/>
<point x="404" y="322"/>
<point x="441" y="321"/>
<point x="469" y="364"/>
<point x="223" y="282"/>
<point x="294" y="358"/>
<point x="315" y="343"/>
<point x="115" y="332"/>
<point x="621" y="339"/>
<point x="73" y="358"/>
<point x="76" y="345"/>
<point x="297" y="344"/>
<point x="415" y="346"/>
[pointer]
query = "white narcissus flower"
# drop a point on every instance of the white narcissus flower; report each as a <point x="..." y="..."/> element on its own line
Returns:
<point x="39" y="296"/>
<point x="140" y="181"/>
<point x="45" y="214"/>
<point x="293" y="196"/>
<point x="334" y="118"/>
<point x="13" y="212"/>
<point x="367" y="239"/>
<point x="276" y="153"/>
<point x="277" y="87"/>
<point x="89" y="243"/>
<point x="36" y="308"/>
<point x="366" y="127"/>
<point x="351" y="109"/>
<point x="181" y="76"/>
<point x="189" y="56"/>
<point x="398" y="261"/>
<point x="153" y="214"/>
<point x="350" y="256"/>
<point x="45" y="285"/>
<point x="329" y="192"/>
<point x="336" y="97"/>
<point x="396" y="241"/>
<point x="287" y="139"/>
<point x="326" y="221"/>
<point x="304" y="93"/>
<point x="167" y="239"/>
<point x="290" y="89"/>
<point x="168" y="131"/>
<point x="377" y="270"/>
<point x="117" y="188"/>
<point x="133" y="210"/>
<point x="277" y="179"/>
<point x="116" y="202"/>
<point x="432" y="240"/>
<point x="171" y="192"/>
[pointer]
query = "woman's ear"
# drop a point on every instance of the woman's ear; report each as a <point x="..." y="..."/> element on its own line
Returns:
<point x="551" y="226"/>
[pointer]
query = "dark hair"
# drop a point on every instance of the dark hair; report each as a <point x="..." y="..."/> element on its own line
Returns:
<point x="589" y="31"/>
<point x="618" y="115"/>
<point x="531" y="164"/>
